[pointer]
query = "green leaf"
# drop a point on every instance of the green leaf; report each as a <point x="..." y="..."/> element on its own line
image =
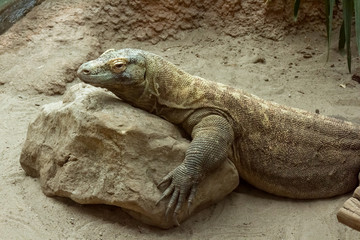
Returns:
<point x="357" y="23"/>
<point x="348" y="8"/>
<point x="342" y="39"/>
<point x="329" y="5"/>
<point x="296" y="9"/>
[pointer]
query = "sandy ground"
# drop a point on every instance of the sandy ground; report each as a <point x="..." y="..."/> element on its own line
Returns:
<point x="37" y="64"/>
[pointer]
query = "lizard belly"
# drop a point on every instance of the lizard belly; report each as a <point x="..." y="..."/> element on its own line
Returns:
<point x="300" y="163"/>
<point x="294" y="182"/>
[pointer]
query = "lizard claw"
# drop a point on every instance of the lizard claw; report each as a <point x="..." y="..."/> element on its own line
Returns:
<point x="166" y="193"/>
<point x="175" y="220"/>
<point x="175" y="200"/>
<point x="166" y="179"/>
<point x="191" y="197"/>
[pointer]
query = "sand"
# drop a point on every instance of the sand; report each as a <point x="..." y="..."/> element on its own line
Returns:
<point x="38" y="59"/>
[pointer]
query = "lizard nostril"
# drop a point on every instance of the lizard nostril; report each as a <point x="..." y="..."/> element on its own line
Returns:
<point x="85" y="71"/>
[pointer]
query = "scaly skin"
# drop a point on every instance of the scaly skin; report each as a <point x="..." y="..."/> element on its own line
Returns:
<point x="281" y="150"/>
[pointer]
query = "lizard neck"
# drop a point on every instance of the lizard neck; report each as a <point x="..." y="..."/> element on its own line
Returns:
<point x="170" y="85"/>
<point x="136" y="95"/>
<point x="164" y="86"/>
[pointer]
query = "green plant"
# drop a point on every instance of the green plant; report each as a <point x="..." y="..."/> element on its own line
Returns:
<point x="350" y="8"/>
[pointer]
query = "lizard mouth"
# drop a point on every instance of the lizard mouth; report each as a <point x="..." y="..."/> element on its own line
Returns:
<point x="87" y="76"/>
<point x="100" y="79"/>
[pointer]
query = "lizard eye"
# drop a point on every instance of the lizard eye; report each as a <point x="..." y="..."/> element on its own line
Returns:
<point x="118" y="65"/>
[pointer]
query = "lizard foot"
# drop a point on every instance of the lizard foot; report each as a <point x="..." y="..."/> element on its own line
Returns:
<point x="181" y="186"/>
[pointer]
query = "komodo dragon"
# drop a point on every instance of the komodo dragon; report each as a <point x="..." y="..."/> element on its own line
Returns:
<point x="284" y="151"/>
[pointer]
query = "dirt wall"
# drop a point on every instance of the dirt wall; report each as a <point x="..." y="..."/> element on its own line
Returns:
<point x="100" y="24"/>
<point x="117" y="20"/>
<point x="160" y="20"/>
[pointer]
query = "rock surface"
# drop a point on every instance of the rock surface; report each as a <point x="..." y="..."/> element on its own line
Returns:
<point x="349" y="213"/>
<point x="96" y="149"/>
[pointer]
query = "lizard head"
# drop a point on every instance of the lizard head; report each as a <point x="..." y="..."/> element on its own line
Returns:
<point x="114" y="69"/>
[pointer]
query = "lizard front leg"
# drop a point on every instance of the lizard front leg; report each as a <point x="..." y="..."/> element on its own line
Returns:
<point x="212" y="135"/>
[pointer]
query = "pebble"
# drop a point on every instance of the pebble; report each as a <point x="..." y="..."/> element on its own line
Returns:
<point x="342" y="85"/>
<point x="307" y="55"/>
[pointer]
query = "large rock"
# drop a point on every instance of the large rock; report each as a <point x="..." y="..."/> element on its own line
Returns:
<point x="96" y="149"/>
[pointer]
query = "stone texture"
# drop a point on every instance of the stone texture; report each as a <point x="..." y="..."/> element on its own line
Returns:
<point x="96" y="149"/>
